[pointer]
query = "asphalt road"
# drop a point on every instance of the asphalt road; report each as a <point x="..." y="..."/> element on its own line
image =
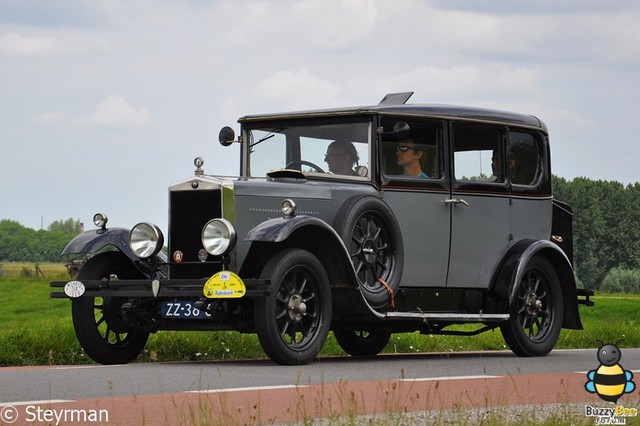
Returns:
<point x="47" y="383"/>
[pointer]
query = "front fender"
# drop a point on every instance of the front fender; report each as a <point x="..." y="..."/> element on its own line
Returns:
<point x="91" y="242"/>
<point x="317" y="237"/>
<point x="279" y="229"/>
<point x="307" y="232"/>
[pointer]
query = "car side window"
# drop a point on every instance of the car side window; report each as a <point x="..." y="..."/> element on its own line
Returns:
<point x="478" y="153"/>
<point x="523" y="158"/>
<point x="415" y="155"/>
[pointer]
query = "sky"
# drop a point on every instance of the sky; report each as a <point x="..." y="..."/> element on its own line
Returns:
<point x="105" y="103"/>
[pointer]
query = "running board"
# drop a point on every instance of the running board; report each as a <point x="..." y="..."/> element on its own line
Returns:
<point x="446" y="317"/>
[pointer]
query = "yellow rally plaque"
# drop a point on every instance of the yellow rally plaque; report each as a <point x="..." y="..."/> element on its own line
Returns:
<point x="224" y="285"/>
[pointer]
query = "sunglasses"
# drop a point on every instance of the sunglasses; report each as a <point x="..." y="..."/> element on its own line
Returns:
<point x="404" y="148"/>
<point x="335" y="154"/>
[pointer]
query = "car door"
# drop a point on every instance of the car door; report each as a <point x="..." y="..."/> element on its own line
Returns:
<point x="479" y="202"/>
<point x="418" y="202"/>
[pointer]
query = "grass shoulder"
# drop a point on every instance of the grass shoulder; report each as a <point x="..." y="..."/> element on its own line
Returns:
<point x="37" y="330"/>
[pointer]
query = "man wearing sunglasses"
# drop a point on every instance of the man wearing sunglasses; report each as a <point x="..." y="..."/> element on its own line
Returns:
<point x="410" y="157"/>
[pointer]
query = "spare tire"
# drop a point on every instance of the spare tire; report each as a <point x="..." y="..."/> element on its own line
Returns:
<point x="372" y="236"/>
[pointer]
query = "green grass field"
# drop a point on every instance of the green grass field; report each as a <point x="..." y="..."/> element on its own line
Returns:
<point x="37" y="330"/>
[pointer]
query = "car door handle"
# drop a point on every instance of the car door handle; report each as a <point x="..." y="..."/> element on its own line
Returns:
<point x="456" y="201"/>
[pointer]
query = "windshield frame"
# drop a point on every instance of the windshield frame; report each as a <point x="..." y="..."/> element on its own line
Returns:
<point x="272" y="130"/>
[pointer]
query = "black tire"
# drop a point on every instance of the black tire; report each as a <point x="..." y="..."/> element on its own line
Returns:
<point x="293" y="321"/>
<point x="102" y="333"/>
<point x="361" y="342"/>
<point x="372" y="236"/>
<point x="536" y="312"/>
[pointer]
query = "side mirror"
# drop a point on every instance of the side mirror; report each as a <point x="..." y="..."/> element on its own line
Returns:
<point x="226" y="136"/>
<point x="401" y="131"/>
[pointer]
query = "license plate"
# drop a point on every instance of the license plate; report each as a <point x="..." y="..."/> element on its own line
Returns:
<point x="183" y="309"/>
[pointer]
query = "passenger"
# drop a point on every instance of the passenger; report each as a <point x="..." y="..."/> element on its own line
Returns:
<point x="341" y="156"/>
<point x="495" y="166"/>
<point x="411" y="157"/>
<point x="523" y="163"/>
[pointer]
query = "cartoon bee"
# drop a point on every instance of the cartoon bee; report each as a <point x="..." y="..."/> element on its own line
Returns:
<point x="609" y="381"/>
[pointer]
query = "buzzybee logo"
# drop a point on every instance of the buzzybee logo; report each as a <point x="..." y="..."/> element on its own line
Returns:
<point x="610" y="381"/>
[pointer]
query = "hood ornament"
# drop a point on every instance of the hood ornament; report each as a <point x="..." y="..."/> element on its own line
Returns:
<point x="198" y="162"/>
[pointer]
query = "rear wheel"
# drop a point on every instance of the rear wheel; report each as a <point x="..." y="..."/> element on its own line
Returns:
<point x="293" y="321"/>
<point x="536" y="311"/>
<point x="102" y="332"/>
<point x="362" y="342"/>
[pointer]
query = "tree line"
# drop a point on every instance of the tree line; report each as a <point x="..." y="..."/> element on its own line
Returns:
<point x="606" y="227"/>
<point x="606" y="231"/>
<point x="21" y="244"/>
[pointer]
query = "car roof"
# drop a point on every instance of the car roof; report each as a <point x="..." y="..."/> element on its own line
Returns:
<point x="438" y="111"/>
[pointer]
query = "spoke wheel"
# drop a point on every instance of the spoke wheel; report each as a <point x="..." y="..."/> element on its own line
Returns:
<point x="372" y="237"/>
<point x="103" y="334"/>
<point x="293" y="321"/>
<point x="370" y="250"/>
<point x="362" y="342"/>
<point x="536" y="311"/>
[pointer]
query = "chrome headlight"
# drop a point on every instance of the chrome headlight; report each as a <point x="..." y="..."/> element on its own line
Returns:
<point x="218" y="237"/>
<point x="100" y="220"/>
<point x="146" y="240"/>
<point x="289" y="207"/>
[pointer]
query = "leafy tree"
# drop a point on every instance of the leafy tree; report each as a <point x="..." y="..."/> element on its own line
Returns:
<point x="21" y="244"/>
<point x="606" y="226"/>
<point x="68" y="226"/>
<point x="621" y="280"/>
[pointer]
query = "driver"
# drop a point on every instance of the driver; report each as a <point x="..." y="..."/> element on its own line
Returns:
<point x="341" y="156"/>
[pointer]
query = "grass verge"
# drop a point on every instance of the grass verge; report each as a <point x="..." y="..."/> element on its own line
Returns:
<point x="37" y="330"/>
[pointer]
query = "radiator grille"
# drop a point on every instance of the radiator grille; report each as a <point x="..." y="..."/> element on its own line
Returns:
<point x="189" y="211"/>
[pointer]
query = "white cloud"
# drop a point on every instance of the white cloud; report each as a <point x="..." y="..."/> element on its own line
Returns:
<point x="333" y="25"/>
<point x="306" y="24"/>
<point x="115" y="112"/>
<point x="298" y="89"/>
<point x="204" y="63"/>
<point x="12" y="44"/>
<point x="49" y="119"/>
<point x="454" y="84"/>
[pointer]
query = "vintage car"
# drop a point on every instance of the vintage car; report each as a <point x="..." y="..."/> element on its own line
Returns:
<point x="364" y="221"/>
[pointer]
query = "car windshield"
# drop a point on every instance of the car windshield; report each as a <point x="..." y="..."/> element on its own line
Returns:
<point x="332" y="148"/>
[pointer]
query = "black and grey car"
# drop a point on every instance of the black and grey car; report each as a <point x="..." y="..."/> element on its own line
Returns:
<point x="296" y="247"/>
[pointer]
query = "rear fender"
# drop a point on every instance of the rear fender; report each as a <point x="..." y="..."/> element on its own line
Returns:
<point x="513" y="268"/>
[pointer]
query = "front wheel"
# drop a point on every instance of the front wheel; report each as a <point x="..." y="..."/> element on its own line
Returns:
<point x="536" y="311"/>
<point x="97" y="321"/>
<point x="293" y="321"/>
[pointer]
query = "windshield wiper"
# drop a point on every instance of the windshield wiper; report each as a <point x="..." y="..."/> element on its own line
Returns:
<point x="269" y="135"/>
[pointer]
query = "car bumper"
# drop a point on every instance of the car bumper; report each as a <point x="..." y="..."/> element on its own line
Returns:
<point x="154" y="289"/>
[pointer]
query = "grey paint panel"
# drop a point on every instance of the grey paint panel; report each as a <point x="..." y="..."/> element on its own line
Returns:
<point x="483" y="232"/>
<point x="479" y="239"/>
<point x="424" y="222"/>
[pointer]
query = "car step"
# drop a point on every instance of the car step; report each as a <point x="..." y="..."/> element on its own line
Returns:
<point x="442" y="316"/>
